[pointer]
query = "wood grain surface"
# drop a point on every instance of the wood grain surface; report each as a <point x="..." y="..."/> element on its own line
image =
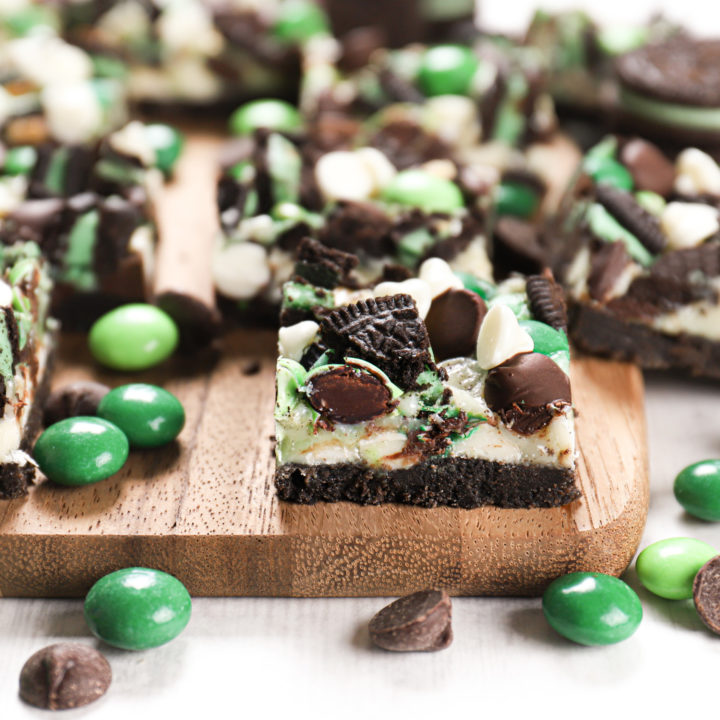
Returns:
<point x="205" y="509"/>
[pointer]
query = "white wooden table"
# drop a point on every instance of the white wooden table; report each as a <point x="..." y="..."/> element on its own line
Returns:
<point x="250" y="658"/>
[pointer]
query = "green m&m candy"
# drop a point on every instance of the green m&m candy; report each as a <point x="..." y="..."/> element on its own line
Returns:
<point x="149" y="415"/>
<point x="133" y="337"/>
<point x="167" y="143"/>
<point x="668" y="567"/>
<point x="516" y="199"/>
<point x="447" y="70"/>
<point x="81" y="450"/>
<point x="137" y="608"/>
<point x="270" y="114"/>
<point x="421" y="189"/>
<point x="299" y="20"/>
<point x="697" y="489"/>
<point x="592" y="608"/>
<point x="610" y="171"/>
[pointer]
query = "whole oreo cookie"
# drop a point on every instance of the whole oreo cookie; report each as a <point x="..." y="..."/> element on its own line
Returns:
<point x="681" y="71"/>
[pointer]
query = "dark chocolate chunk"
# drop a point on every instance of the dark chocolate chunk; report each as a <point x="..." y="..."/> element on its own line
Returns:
<point x="547" y="300"/>
<point x="527" y="391"/>
<point x="358" y="227"/>
<point x="348" y="394"/>
<point x="453" y="323"/>
<point x="606" y="265"/>
<point x="682" y="70"/>
<point x="706" y="593"/>
<point x="387" y="332"/>
<point x="418" y="622"/>
<point x="407" y="144"/>
<point x="64" y="676"/>
<point x="324" y="266"/>
<point x="516" y="247"/>
<point x="78" y="398"/>
<point x="626" y="210"/>
<point x="118" y="220"/>
<point x="649" y="167"/>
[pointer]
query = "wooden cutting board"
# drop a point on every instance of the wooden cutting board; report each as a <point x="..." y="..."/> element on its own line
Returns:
<point x="204" y="508"/>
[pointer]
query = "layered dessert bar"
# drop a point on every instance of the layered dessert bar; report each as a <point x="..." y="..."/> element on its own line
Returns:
<point x="492" y="90"/>
<point x="641" y="236"/>
<point x="90" y="209"/>
<point x="194" y="52"/>
<point x="390" y="191"/>
<point x="437" y="390"/>
<point x="26" y="344"/>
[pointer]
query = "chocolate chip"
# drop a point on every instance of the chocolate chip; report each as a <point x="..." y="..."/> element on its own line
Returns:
<point x="516" y="247"/>
<point x="348" y="394"/>
<point x="64" y="676"/>
<point x="387" y="332"/>
<point x="324" y="266"/>
<point x="626" y="210"/>
<point x="453" y="323"/>
<point x="527" y="391"/>
<point x="547" y="300"/>
<point x="418" y="622"/>
<point x="606" y="265"/>
<point x="649" y="167"/>
<point x="706" y="593"/>
<point x="78" y="398"/>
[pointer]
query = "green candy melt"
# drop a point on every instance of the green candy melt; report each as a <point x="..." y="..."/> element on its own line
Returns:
<point x="668" y="567"/>
<point x="137" y="608"/>
<point x="148" y="415"/>
<point x="484" y="288"/>
<point x="417" y="188"/>
<point x="547" y="340"/>
<point x="133" y="337"/>
<point x="607" y="228"/>
<point x="447" y="70"/>
<point x="592" y="608"/>
<point x="81" y="450"/>
<point x="20" y="160"/>
<point x="609" y="171"/>
<point x="515" y="199"/>
<point x="270" y="114"/>
<point x="167" y="142"/>
<point x="697" y="489"/>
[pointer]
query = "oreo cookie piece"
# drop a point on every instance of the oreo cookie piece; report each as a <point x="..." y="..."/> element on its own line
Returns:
<point x="704" y="259"/>
<point x="387" y="332"/>
<point x="407" y="144"/>
<point x="706" y="594"/>
<point x="606" y="265"/>
<point x="626" y="210"/>
<point x="453" y="323"/>
<point x="324" y="266"/>
<point x="527" y="391"/>
<point x="348" y="394"/>
<point x="547" y="300"/>
<point x="358" y="227"/>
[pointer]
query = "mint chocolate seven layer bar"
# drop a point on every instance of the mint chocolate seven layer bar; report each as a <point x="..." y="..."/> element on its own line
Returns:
<point x="644" y="283"/>
<point x="26" y="343"/>
<point x="426" y="392"/>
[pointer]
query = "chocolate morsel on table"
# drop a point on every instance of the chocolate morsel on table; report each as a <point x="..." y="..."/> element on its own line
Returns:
<point x="78" y="398"/>
<point x="706" y="594"/>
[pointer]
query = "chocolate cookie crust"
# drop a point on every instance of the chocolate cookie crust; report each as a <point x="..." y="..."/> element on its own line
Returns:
<point x="456" y="482"/>
<point x="680" y="71"/>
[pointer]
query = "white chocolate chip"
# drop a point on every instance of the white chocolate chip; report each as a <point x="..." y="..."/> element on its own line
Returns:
<point x="125" y="20"/>
<point x="6" y="294"/>
<point x="343" y="175"/>
<point x="293" y="339"/>
<point x="697" y="173"/>
<point x="444" y="169"/>
<point x="501" y="337"/>
<point x="45" y="59"/>
<point x="439" y="276"/>
<point x="132" y="140"/>
<point x="381" y="169"/>
<point x="241" y="270"/>
<point x="416" y="288"/>
<point x="187" y="27"/>
<point x="688" y="224"/>
<point x="454" y="118"/>
<point x="73" y="112"/>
